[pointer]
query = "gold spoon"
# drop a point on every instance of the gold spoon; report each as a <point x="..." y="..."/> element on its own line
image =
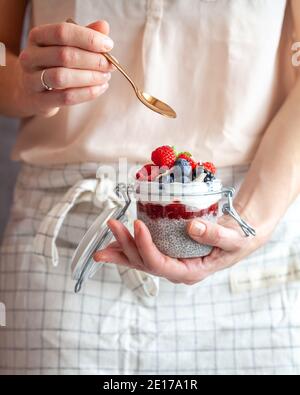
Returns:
<point x="148" y="100"/>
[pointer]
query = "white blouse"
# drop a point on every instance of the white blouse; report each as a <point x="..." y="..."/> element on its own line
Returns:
<point x="223" y="65"/>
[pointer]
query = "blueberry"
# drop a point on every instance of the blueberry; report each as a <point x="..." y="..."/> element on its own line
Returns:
<point x="182" y="171"/>
<point x="184" y="165"/>
<point x="182" y="162"/>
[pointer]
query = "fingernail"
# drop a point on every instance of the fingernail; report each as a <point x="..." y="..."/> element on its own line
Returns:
<point x="107" y="76"/>
<point x="103" y="63"/>
<point x="108" y="44"/>
<point x="99" y="256"/>
<point x="23" y="56"/>
<point x="197" y="228"/>
<point x="137" y="228"/>
<point x="112" y="67"/>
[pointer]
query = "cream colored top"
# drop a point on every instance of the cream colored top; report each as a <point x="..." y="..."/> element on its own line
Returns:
<point x="223" y="65"/>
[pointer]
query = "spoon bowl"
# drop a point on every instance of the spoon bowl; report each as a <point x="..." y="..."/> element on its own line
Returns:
<point x="156" y="105"/>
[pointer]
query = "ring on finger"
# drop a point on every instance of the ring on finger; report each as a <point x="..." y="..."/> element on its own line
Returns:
<point x="44" y="83"/>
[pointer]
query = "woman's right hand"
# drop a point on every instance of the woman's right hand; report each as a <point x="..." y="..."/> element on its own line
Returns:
<point x="75" y="69"/>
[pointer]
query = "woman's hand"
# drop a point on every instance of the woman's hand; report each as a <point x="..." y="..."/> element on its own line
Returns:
<point x="140" y="253"/>
<point x="74" y="67"/>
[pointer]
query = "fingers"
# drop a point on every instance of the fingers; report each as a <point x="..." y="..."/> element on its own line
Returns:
<point x="68" y="34"/>
<point x="112" y="254"/>
<point x="115" y="254"/>
<point x="75" y="69"/>
<point x="37" y="58"/>
<point x="177" y="271"/>
<point x="205" y="232"/>
<point x="61" y="78"/>
<point x="140" y="253"/>
<point x="100" y="26"/>
<point x="126" y="242"/>
<point x="114" y="246"/>
<point x="46" y="101"/>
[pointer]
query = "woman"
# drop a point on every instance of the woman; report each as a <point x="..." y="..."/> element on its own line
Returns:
<point x="226" y="67"/>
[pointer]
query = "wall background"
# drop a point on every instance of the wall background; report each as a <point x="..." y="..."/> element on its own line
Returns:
<point x="8" y="133"/>
<point x="8" y="169"/>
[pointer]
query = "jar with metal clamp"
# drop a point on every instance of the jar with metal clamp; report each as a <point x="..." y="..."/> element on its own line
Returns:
<point x="166" y="211"/>
<point x="167" y="208"/>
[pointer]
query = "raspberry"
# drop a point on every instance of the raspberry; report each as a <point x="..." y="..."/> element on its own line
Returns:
<point x="164" y="156"/>
<point x="210" y="167"/>
<point x="188" y="157"/>
<point x="147" y="173"/>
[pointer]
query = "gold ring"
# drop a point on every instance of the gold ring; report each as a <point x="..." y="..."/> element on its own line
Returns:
<point x="44" y="83"/>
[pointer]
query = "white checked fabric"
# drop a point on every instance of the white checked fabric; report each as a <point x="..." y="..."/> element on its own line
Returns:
<point x="101" y="193"/>
<point x="240" y="321"/>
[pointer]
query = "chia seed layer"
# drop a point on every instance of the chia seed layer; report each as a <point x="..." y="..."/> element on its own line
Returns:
<point x="171" y="238"/>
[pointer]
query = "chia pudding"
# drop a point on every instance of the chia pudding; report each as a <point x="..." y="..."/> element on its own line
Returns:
<point x="170" y="193"/>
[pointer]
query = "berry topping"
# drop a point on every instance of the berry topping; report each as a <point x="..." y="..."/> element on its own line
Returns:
<point x="210" y="167"/>
<point x="182" y="171"/>
<point x="175" y="210"/>
<point x="184" y="163"/>
<point x="209" y="177"/>
<point x="186" y="154"/>
<point x="188" y="157"/>
<point x="170" y="167"/>
<point x="148" y="172"/>
<point x="164" y="156"/>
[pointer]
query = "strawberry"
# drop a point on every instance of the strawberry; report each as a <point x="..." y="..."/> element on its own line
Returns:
<point x="164" y="156"/>
<point x="210" y="167"/>
<point x="147" y="173"/>
<point x="188" y="157"/>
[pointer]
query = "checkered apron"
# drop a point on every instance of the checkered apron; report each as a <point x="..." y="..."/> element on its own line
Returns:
<point x="240" y="321"/>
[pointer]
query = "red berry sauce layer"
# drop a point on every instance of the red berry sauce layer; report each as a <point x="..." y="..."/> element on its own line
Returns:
<point x="175" y="210"/>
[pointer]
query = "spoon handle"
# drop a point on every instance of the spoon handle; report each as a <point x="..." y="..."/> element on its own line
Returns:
<point x="112" y="60"/>
<point x="115" y="62"/>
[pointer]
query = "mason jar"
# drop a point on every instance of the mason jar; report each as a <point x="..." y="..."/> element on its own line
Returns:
<point x="167" y="208"/>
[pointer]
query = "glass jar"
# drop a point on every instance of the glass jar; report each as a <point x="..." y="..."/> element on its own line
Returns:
<point x="166" y="209"/>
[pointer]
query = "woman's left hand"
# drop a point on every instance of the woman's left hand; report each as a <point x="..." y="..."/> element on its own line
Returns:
<point x="139" y="252"/>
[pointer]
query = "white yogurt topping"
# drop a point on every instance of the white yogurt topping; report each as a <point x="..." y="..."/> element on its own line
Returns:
<point x="192" y="194"/>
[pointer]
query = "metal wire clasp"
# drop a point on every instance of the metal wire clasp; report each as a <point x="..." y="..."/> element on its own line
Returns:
<point x="228" y="209"/>
<point x="124" y="191"/>
<point x="89" y="266"/>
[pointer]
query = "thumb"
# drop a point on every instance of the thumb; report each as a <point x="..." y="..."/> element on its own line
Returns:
<point x="205" y="232"/>
<point x="100" y="26"/>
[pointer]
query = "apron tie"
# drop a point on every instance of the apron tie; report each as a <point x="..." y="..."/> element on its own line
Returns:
<point x="101" y="192"/>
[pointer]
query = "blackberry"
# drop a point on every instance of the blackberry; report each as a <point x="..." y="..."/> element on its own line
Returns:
<point x="209" y="176"/>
